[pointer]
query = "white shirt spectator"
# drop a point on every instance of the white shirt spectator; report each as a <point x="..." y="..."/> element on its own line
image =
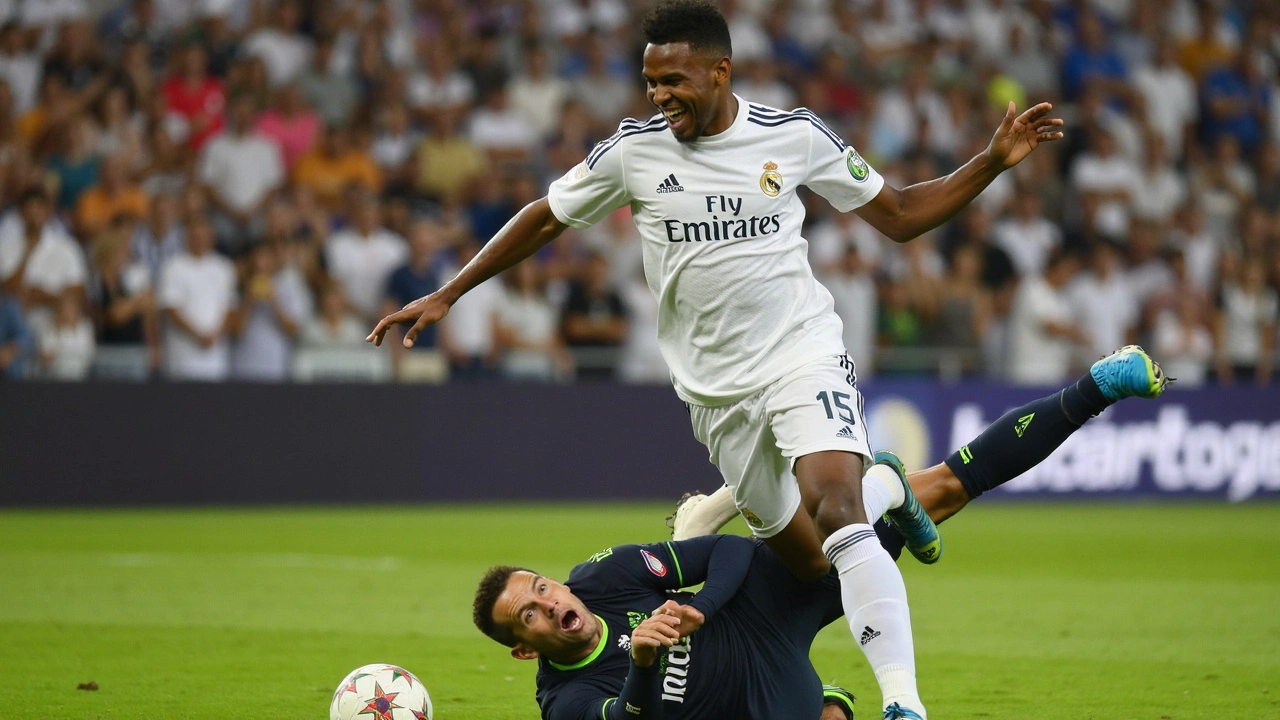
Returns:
<point x="857" y="306"/>
<point x="469" y="324"/>
<point x="350" y="332"/>
<point x="641" y="360"/>
<point x="1027" y="242"/>
<point x="1171" y="102"/>
<point x="70" y="350"/>
<point x="22" y="71"/>
<point x="1094" y="173"/>
<point x="1244" y="315"/>
<point x="429" y="93"/>
<point x="605" y="97"/>
<point x="1106" y="309"/>
<point x="362" y="263"/>
<point x="1185" y="351"/>
<point x="285" y="55"/>
<point x="1037" y="357"/>
<point x="55" y="263"/>
<point x="540" y="100"/>
<point x="264" y="349"/>
<point x="242" y="170"/>
<point x="202" y="290"/>
<point x="533" y="319"/>
<point x="750" y="41"/>
<point x="1158" y="194"/>
<point x="506" y="129"/>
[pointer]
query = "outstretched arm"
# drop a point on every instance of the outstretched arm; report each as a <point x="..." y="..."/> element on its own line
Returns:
<point x="908" y="213"/>
<point x="531" y="228"/>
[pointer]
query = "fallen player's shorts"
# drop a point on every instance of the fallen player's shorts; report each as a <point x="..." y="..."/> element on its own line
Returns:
<point x="756" y="441"/>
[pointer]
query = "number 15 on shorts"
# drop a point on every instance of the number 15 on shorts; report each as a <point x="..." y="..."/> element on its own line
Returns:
<point x="842" y="409"/>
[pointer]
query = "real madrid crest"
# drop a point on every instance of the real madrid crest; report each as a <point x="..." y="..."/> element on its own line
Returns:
<point x="858" y="167"/>
<point x="771" y="180"/>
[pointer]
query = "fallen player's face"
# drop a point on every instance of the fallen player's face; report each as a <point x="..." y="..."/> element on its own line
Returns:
<point x="683" y="85"/>
<point x="546" y="617"/>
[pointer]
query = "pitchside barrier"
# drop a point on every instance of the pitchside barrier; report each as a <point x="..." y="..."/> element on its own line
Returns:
<point x="146" y="444"/>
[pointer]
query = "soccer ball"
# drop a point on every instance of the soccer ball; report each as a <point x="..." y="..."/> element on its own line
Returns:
<point x="380" y="692"/>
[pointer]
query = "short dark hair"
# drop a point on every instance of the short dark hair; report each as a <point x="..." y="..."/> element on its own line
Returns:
<point x="493" y="584"/>
<point x="32" y="193"/>
<point x="697" y="22"/>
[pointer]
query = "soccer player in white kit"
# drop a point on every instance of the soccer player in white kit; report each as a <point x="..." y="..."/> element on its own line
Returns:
<point x="751" y="338"/>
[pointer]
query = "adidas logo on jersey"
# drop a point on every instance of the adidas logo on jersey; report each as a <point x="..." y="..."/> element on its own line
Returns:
<point x="868" y="635"/>
<point x="670" y="185"/>
<point x="846" y="432"/>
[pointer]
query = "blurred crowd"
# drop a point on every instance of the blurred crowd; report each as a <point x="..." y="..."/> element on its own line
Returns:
<point x="239" y="189"/>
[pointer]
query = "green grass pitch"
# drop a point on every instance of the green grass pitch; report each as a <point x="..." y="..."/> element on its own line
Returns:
<point x="1037" y="611"/>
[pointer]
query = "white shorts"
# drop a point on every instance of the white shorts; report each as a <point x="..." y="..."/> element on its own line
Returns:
<point x="756" y="441"/>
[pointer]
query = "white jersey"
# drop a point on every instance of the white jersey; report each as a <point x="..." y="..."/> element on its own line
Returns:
<point x="738" y="306"/>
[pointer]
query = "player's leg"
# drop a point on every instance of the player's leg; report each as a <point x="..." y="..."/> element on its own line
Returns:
<point x="998" y="455"/>
<point x="817" y="422"/>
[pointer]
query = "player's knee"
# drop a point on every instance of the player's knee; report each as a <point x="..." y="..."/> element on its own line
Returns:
<point x="839" y="504"/>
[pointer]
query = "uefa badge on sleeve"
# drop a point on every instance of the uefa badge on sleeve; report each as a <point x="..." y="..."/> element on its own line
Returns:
<point x="857" y="166"/>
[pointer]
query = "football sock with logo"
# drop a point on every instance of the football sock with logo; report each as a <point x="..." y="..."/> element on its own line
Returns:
<point x="1025" y="436"/>
<point x="875" y="604"/>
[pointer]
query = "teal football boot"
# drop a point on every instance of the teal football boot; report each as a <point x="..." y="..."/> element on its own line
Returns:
<point x="1129" y="372"/>
<point x="841" y="698"/>
<point x="897" y="712"/>
<point x="910" y="519"/>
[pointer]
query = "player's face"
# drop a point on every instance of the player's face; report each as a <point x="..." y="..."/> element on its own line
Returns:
<point x="689" y="88"/>
<point x="546" y="617"/>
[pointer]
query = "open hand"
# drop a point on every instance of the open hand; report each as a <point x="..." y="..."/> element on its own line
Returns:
<point x="691" y="618"/>
<point x="420" y="313"/>
<point x="1018" y="136"/>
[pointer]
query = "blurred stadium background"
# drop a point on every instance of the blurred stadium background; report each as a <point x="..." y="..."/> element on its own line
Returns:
<point x="205" y="205"/>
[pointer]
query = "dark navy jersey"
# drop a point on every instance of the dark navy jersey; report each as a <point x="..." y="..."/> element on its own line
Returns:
<point x="749" y="660"/>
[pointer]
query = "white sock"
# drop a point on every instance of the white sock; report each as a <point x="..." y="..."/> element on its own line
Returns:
<point x="881" y="491"/>
<point x="875" y="604"/>
<point x="706" y="517"/>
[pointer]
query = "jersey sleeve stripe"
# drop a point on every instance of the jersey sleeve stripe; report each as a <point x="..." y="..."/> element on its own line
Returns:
<point x="675" y="561"/>
<point x="767" y="113"/>
<point x="604" y="709"/>
<point x="835" y="140"/>
<point x="609" y="144"/>
<point x="628" y="128"/>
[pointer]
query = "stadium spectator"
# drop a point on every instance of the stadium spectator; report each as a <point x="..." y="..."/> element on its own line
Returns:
<point x="364" y="255"/>
<point x="1043" y="335"/>
<point x="327" y="89"/>
<point x="501" y="130"/>
<point x="241" y="169"/>
<point x="1103" y="304"/>
<point x="122" y="131"/>
<point x="1105" y="180"/>
<point x="467" y="335"/>
<point x="963" y="312"/>
<point x="39" y="261"/>
<point x="76" y="165"/>
<point x="1246" y="324"/>
<point x="440" y="87"/>
<point x="273" y="307"/>
<point x="604" y="95"/>
<point x="641" y="360"/>
<point x="538" y="93"/>
<point x="394" y="144"/>
<point x="852" y="285"/>
<point x="291" y="124"/>
<point x="15" y="338"/>
<point x="1169" y="96"/>
<point x="594" y="317"/>
<point x="1160" y="190"/>
<point x="159" y="238"/>
<point x="1092" y="61"/>
<point x="112" y="198"/>
<point x="418" y="276"/>
<point x="197" y="296"/>
<point x="196" y="96"/>
<point x="65" y="341"/>
<point x="334" y="166"/>
<point x="527" y="328"/>
<point x="446" y="162"/>
<point x="121" y="295"/>
<point x="281" y="47"/>
<point x="1027" y="236"/>
<point x="18" y="67"/>
<point x="334" y="326"/>
<point x="1181" y="336"/>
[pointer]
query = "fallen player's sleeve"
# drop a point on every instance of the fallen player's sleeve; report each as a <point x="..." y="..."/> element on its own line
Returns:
<point x="837" y="172"/>
<point x="720" y="562"/>
<point x="640" y="699"/>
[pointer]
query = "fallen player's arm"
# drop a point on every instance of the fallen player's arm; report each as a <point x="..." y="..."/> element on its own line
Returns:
<point x="719" y="562"/>
<point x="905" y="214"/>
<point x="531" y="228"/>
